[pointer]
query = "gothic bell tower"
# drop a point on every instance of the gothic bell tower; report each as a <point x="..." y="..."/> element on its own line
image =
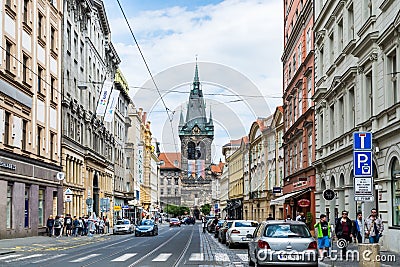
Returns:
<point x="196" y="133"/>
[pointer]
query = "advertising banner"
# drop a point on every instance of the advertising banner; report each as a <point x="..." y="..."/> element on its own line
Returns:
<point x="105" y="94"/>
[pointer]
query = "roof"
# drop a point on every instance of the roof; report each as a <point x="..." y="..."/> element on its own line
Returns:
<point x="169" y="158"/>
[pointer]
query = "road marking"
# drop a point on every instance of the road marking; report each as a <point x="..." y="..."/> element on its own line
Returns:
<point x="221" y="257"/>
<point x="162" y="257"/>
<point x="85" y="258"/>
<point x="125" y="257"/>
<point x="50" y="258"/>
<point x="243" y="257"/>
<point x="196" y="257"/>
<point x="10" y="256"/>
<point x="26" y="257"/>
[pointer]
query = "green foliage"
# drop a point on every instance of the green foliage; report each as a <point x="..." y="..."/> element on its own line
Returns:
<point x="175" y="211"/>
<point x="309" y="220"/>
<point x="205" y="209"/>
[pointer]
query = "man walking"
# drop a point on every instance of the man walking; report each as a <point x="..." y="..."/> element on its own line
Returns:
<point x="344" y="230"/>
<point x="359" y="227"/>
<point x="373" y="227"/>
<point x="323" y="233"/>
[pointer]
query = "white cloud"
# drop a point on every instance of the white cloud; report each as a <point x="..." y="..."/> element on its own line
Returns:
<point x="245" y="36"/>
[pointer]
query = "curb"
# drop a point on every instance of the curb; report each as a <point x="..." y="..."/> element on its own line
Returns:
<point x="6" y="252"/>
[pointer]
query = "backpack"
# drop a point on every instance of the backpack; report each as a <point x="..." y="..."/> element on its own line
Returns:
<point x="68" y="221"/>
<point x="57" y="224"/>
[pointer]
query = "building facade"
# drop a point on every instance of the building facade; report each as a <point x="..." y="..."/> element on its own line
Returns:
<point x="170" y="182"/>
<point x="88" y="143"/>
<point x="298" y="109"/>
<point x="196" y="133"/>
<point x="30" y="115"/>
<point x="357" y="89"/>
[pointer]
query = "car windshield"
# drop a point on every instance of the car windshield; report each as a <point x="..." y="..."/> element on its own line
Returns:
<point x="246" y="224"/>
<point x="174" y="220"/>
<point x="286" y="230"/>
<point x="122" y="222"/>
<point x="147" y="222"/>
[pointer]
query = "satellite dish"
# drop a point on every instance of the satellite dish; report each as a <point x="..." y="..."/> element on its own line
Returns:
<point x="60" y="176"/>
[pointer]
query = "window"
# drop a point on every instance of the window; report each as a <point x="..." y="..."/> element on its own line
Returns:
<point x="309" y="91"/>
<point x="39" y="79"/>
<point x="52" y="135"/>
<point x="294" y="63"/>
<point x="332" y="122"/>
<point x="392" y="77"/>
<point x="176" y="181"/>
<point x="41" y="198"/>
<point x="395" y="173"/>
<point x="82" y="57"/>
<point x="162" y="191"/>
<point x="169" y="181"/>
<point x="69" y="38"/>
<point x="332" y="48"/>
<point x="26" y="14"/>
<point x="340" y="35"/>
<point x="26" y="222"/>
<point x="162" y="181"/>
<point x="308" y="41"/>
<point x="368" y="93"/>
<point x="24" y="136"/>
<point x="295" y="107"/>
<point x="8" y="55"/>
<point x="309" y="151"/>
<point x="341" y="116"/>
<point x="9" y="206"/>
<point x="299" y="53"/>
<point x="52" y="88"/>
<point x="321" y="61"/>
<point x="300" y="100"/>
<point x="168" y="191"/>
<point x="176" y="191"/>
<point x="7" y="128"/>
<point x="350" y="14"/>
<point x="321" y="129"/>
<point x="352" y="117"/>
<point x="76" y="45"/>
<point x="39" y="140"/>
<point x="300" y="154"/>
<point x="40" y="26"/>
<point x="295" y="157"/>
<point x="53" y="39"/>
<point x="25" y="61"/>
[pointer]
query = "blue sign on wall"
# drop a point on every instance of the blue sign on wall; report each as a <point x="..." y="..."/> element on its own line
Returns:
<point x="362" y="163"/>
<point x="362" y="141"/>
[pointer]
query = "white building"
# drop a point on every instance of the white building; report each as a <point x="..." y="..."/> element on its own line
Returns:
<point x="356" y="89"/>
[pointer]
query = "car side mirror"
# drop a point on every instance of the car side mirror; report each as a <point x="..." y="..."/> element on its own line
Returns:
<point x="249" y="236"/>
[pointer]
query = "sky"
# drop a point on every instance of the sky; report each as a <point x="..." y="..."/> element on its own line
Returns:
<point x="237" y="44"/>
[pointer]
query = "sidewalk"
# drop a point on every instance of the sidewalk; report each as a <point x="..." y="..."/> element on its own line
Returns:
<point x="387" y="258"/>
<point x="40" y="243"/>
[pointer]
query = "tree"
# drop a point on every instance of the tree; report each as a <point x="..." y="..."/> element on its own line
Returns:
<point x="205" y="209"/>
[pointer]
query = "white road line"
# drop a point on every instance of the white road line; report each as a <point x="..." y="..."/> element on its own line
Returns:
<point x="196" y="257"/>
<point x="221" y="257"/>
<point x="50" y="258"/>
<point x="10" y="256"/>
<point x="85" y="258"/>
<point x="243" y="257"/>
<point x="125" y="257"/>
<point x="26" y="257"/>
<point x="162" y="257"/>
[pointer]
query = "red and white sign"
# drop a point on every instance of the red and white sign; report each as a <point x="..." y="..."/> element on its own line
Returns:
<point x="303" y="203"/>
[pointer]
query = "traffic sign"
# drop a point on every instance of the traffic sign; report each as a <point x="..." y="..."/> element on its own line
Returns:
<point x="68" y="192"/>
<point x="328" y="194"/>
<point x="60" y="176"/>
<point x="364" y="198"/>
<point x="362" y="163"/>
<point x="363" y="186"/>
<point x="68" y="198"/>
<point x="362" y="141"/>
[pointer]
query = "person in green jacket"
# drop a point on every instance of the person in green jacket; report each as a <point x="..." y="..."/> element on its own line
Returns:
<point x="323" y="233"/>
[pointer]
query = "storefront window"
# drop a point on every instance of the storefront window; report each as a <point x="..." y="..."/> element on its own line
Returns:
<point x="41" y="207"/>
<point x="26" y="223"/>
<point x="9" y="206"/>
<point x="396" y="192"/>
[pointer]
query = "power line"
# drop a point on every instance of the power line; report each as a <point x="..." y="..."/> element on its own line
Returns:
<point x="148" y="70"/>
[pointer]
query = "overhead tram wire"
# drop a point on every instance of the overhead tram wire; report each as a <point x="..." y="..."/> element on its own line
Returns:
<point x="167" y="110"/>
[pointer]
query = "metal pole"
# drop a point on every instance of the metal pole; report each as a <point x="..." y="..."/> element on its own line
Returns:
<point x="363" y="214"/>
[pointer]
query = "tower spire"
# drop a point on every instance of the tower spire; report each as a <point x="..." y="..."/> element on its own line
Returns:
<point x="196" y="74"/>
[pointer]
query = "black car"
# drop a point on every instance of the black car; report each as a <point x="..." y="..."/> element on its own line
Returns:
<point x="217" y="227"/>
<point x="146" y="227"/>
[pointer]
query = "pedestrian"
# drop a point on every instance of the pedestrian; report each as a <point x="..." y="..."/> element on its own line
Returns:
<point x="68" y="225"/>
<point x="344" y="230"/>
<point x="358" y="227"/>
<point x="62" y="224"/>
<point x="373" y="227"/>
<point x="269" y="218"/>
<point x="204" y="222"/>
<point x="49" y="225"/>
<point x="75" y="225"/>
<point x="288" y="217"/>
<point x="57" y="227"/>
<point x="107" y="223"/>
<point x="301" y="217"/>
<point x="323" y="234"/>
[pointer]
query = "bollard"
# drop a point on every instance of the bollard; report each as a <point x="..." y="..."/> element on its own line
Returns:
<point x="369" y="255"/>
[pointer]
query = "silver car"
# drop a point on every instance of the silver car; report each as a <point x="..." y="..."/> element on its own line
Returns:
<point x="282" y="243"/>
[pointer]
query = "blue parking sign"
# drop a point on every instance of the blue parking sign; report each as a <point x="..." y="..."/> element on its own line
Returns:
<point x="362" y="141"/>
<point x="362" y="161"/>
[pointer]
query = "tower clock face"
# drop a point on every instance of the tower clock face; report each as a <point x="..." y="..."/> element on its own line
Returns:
<point x="196" y="130"/>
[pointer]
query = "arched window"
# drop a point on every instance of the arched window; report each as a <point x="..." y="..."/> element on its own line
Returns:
<point x="191" y="151"/>
<point x="395" y="171"/>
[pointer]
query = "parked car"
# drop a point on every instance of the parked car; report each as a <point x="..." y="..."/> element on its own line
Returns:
<point x="284" y="243"/>
<point x="209" y="226"/>
<point x="237" y="233"/>
<point x="123" y="226"/>
<point x="174" y="222"/>
<point x="217" y="227"/>
<point x="222" y="231"/>
<point x="146" y="227"/>
<point x="189" y="220"/>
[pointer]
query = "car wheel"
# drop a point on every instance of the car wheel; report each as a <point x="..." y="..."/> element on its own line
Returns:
<point x="251" y="263"/>
<point x="136" y="234"/>
<point x="231" y="245"/>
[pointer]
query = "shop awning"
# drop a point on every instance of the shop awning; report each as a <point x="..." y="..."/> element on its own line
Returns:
<point x="280" y="200"/>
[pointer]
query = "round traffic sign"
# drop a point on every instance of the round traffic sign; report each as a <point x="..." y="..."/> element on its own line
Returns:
<point x="328" y="194"/>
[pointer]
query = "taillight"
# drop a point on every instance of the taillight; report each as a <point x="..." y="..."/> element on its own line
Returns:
<point x="263" y="244"/>
<point x="235" y="232"/>
<point x="313" y="245"/>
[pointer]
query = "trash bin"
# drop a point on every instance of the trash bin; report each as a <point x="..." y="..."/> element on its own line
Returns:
<point x="368" y="254"/>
